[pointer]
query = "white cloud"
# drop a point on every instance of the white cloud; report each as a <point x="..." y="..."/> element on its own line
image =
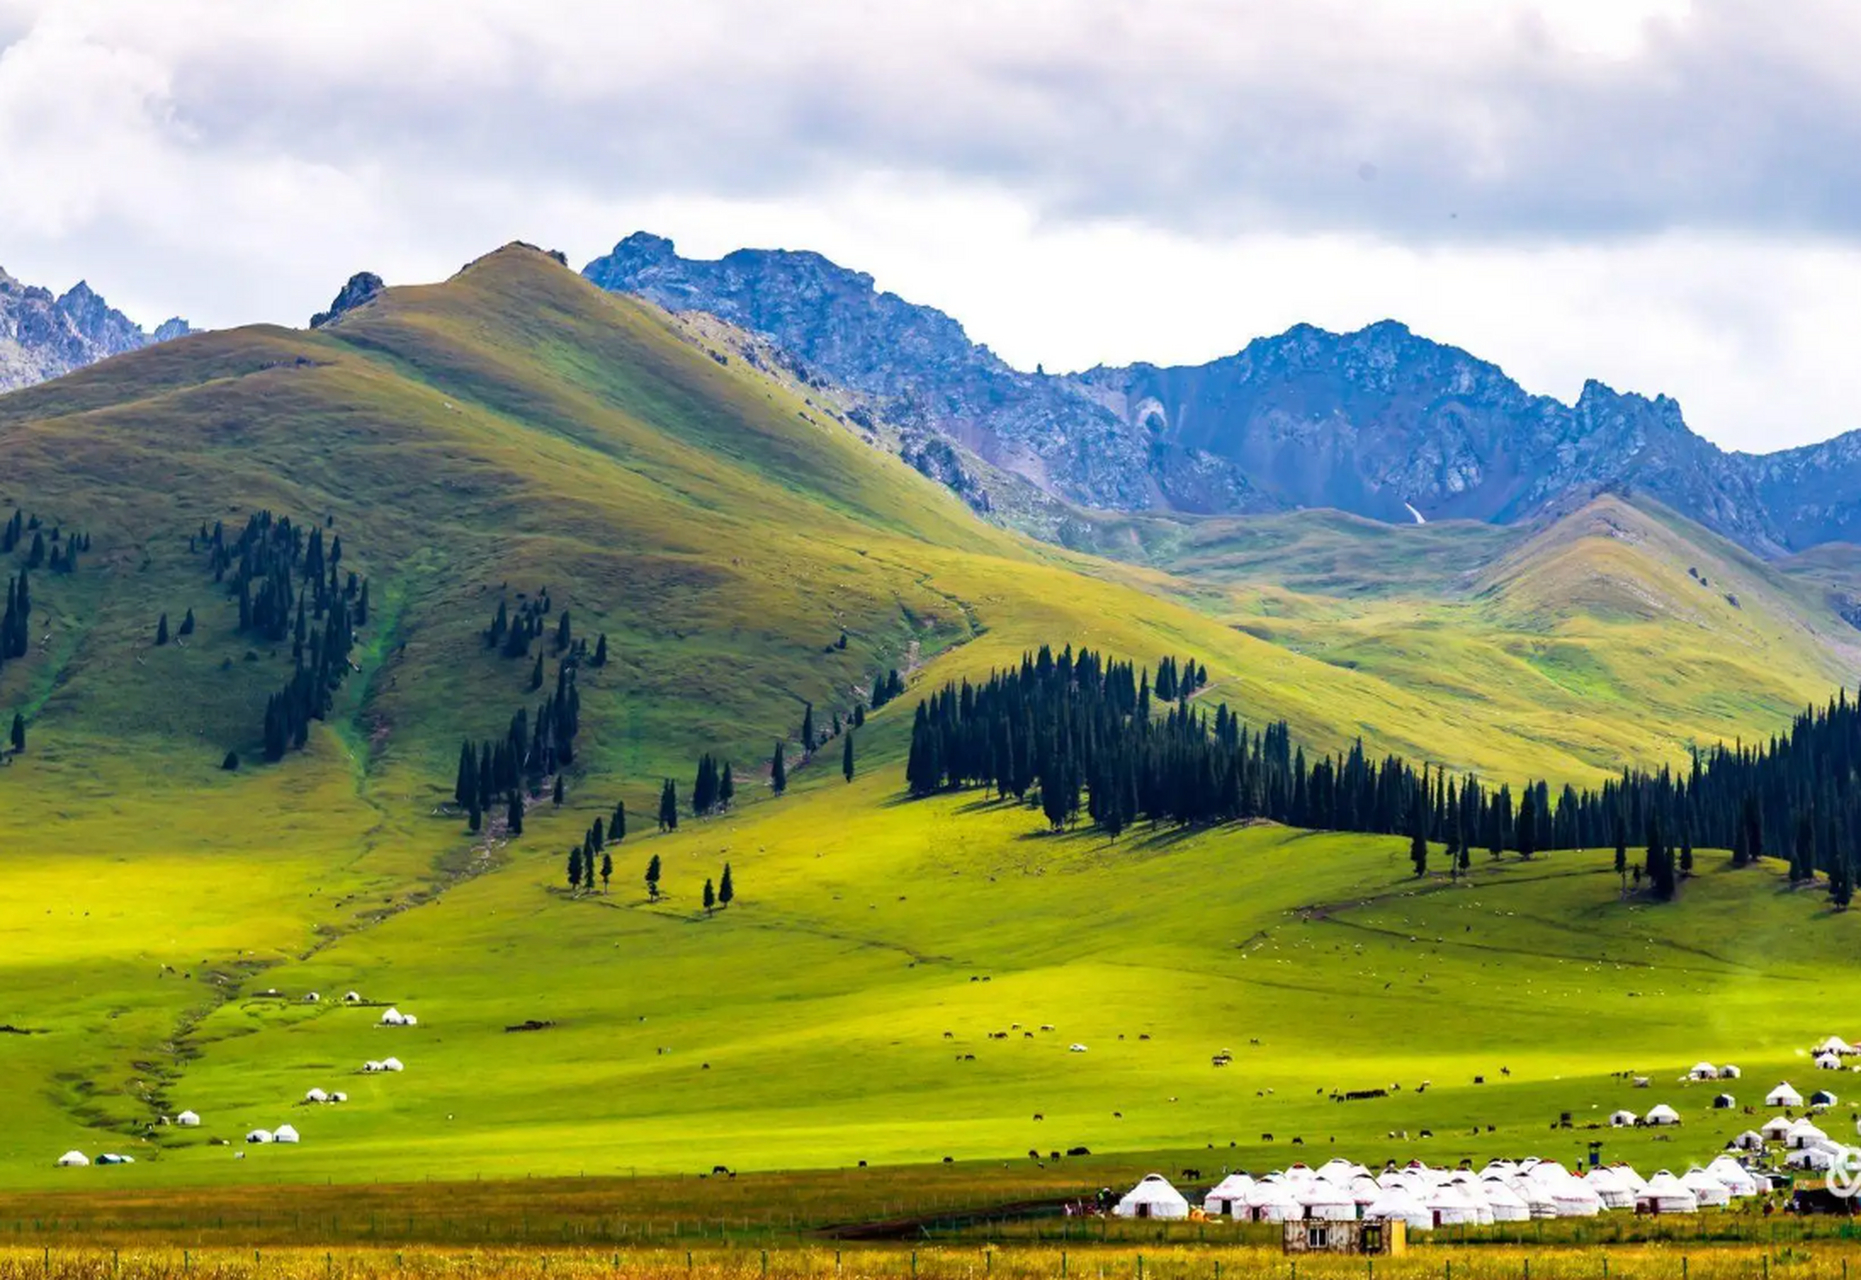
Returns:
<point x="1663" y="194"/>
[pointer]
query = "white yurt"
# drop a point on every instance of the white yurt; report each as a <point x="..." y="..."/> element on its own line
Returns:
<point x="1399" y="1202"/>
<point x="408" y="1020"/>
<point x="1783" y="1096"/>
<point x="1610" y="1188"/>
<point x="352" y="997"/>
<point x="1724" y="1102"/>
<point x="311" y="997"/>
<point x="371" y="1067"/>
<point x="1828" y="1062"/>
<point x="1708" y="1190"/>
<point x="1364" y="1190"/>
<point x="1454" y="1205"/>
<point x="392" y="1064"/>
<point x="1661" y="1113"/>
<point x="284" y="1133"/>
<point x="1623" y="1119"/>
<point x="1272" y="1200"/>
<point x="1822" y="1156"/>
<point x="339" y="1096"/>
<point x="73" y="1160"/>
<point x="111" y="1157"/>
<point x="1704" y="1071"/>
<point x="1734" y="1177"/>
<point x="1729" y="1072"/>
<point x="1630" y="1178"/>
<point x="1228" y="1198"/>
<point x="1667" y="1194"/>
<point x="188" y="1119"/>
<point x="1152" y="1197"/>
<point x="1776" y="1129"/>
<point x="1749" y="1140"/>
<point x="1537" y="1197"/>
<point x="1575" y="1198"/>
<point x="1507" y="1205"/>
<point x="316" y="1095"/>
<point x="259" y="1135"/>
<point x="1835" y="1045"/>
<point x="1823" y="1098"/>
<point x="1325" y="1201"/>
<point x="392" y="1017"/>
<point x="1804" y="1134"/>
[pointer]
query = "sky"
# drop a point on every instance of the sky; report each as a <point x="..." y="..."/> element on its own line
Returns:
<point x="1661" y="194"/>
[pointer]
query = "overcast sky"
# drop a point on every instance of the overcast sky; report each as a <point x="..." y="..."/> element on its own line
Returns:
<point x="1661" y="194"/>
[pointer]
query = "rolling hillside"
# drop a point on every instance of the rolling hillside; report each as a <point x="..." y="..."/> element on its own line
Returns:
<point x="747" y="551"/>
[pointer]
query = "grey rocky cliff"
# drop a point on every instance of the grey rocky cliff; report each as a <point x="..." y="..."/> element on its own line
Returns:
<point x="358" y="290"/>
<point x="43" y="336"/>
<point x="1380" y="422"/>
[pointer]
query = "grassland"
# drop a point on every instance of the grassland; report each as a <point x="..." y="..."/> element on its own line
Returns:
<point x="515" y="429"/>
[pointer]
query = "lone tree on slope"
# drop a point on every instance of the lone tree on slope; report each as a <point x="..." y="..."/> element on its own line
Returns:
<point x="778" y="772"/>
<point x="846" y="758"/>
<point x="710" y="897"/>
<point x="725" y="889"/>
<point x="652" y="878"/>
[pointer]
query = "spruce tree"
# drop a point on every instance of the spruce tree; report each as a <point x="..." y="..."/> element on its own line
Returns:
<point x="607" y="870"/>
<point x="18" y="735"/>
<point x="536" y="673"/>
<point x="187" y="622"/>
<point x="161" y="630"/>
<point x="726" y="788"/>
<point x="652" y="878"/>
<point x="617" y="825"/>
<point x="563" y="638"/>
<point x="725" y="889"/>
<point x="557" y="795"/>
<point x="600" y="650"/>
<point x="1841" y="871"/>
<point x="575" y="867"/>
<point x="668" y="807"/>
<point x="1418" y="837"/>
<point x="230" y="762"/>
<point x="513" y="814"/>
<point x="807" y="730"/>
<point x="710" y="897"/>
<point x="778" y="771"/>
<point x="846" y="758"/>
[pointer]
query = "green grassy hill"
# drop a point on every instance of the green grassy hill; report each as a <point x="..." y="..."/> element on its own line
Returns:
<point x="513" y="431"/>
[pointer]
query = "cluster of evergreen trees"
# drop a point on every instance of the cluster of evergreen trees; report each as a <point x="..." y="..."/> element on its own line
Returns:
<point x="887" y="687"/>
<point x="714" y="788"/>
<point x="1062" y="725"/>
<point x="529" y="752"/>
<point x="58" y="553"/>
<point x="591" y="856"/>
<point x="512" y="636"/>
<point x="16" y="622"/>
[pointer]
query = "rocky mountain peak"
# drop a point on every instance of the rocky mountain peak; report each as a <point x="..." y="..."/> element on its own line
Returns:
<point x="43" y="336"/>
<point x="358" y="290"/>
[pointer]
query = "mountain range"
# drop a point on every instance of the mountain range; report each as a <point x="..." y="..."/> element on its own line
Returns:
<point x="1381" y="422"/>
<point x="43" y="336"/>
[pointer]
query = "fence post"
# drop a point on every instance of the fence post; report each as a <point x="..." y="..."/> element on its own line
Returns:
<point x="765" y="1262"/>
<point x="1140" y="1267"/>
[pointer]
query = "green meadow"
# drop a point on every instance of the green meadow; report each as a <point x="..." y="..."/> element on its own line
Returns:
<point x="897" y="982"/>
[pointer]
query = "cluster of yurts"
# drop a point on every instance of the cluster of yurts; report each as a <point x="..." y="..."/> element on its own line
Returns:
<point x="1426" y="1198"/>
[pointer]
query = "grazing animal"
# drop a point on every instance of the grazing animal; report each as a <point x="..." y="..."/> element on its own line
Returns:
<point x="1039" y="1116"/>
<point x="1298" y="1142"/>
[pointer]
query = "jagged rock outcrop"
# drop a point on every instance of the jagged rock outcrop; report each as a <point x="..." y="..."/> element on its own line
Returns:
<point x="43" y="336"/>
<point x="1379" y="422"/>
<point x="360" y="288"/>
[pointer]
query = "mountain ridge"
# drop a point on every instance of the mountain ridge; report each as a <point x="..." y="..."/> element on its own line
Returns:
<point x="1379" y="421"/>
<point x="44" y="336"/>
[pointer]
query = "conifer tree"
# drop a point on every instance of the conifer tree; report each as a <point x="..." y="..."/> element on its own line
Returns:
<point x="575" y="867"/>
<point x="557" y="795"/>
<point x="563" y="637"/>
<point x="726" y="788"/>
<point x="710" y="896"/>
<point x="846" y="758"/>
<point x="1803" y="853"/>
<point x="18" y="735"/>
<point x="726" y="889"/>
<point x="668" y="807"/>
<point x="513" y="814"/>
<point x="1418" y="837"/>
<point x="187" y="622"/>
<point x="778" y="771"/>
<point x="597" y="834"/>
<point x="1841" y="871"/>
<point x="161" y="630"/>
<point x="807" y="730"/>
<point x="600" y="650"/>
<point x="230" y="762"/>
<point x="617" y="825"/>
<point x="652" y="878"/>
<point x="536" y="673"/>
